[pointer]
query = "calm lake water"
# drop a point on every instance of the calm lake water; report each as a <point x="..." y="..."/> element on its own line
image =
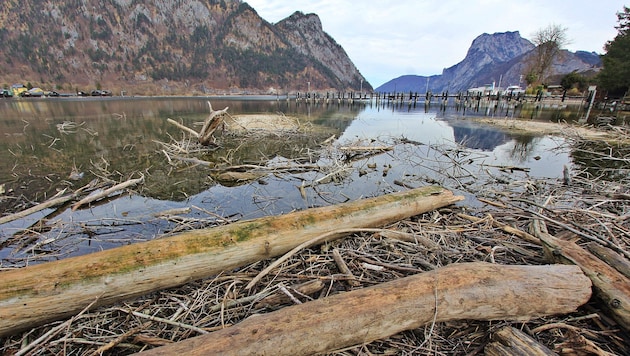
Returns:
<point x="44" y="141"/>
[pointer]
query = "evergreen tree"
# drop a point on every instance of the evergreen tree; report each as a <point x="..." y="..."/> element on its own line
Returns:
<point x="615" y="76"/>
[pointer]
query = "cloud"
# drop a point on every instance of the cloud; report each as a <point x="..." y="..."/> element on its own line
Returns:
<point x="389" y="38"/>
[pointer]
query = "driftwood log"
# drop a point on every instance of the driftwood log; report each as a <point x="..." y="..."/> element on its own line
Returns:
<point x="611" y="286"/>
<point x="210" y="125"/>
<point x="509" y="341"/>
<point x="41" y="293"/>
<point x="477" y="290"/>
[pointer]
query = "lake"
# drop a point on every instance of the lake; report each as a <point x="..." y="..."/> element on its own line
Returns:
<point x="53" y="144"/>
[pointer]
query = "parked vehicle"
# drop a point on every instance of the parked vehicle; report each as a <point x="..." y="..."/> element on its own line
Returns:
<point x="513" y="90"/>
<point x="6" y="93"/>
<point x="33" y="93"/>
<point x="82" y="93"/>
<point x="98" y="92"/>
<point x="52" y="93"/>
<point x="17" y="89"/>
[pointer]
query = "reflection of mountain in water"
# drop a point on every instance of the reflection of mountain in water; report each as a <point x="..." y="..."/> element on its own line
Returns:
<point x="477" y="137"/>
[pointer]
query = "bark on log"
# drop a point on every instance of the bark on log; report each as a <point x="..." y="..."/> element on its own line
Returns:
<point x="612" y="287"/>
<point x="476" y="290"/>
<point x="37" y="294"/>
<point x="611" y="257"/>
<point x="509" y="341"/>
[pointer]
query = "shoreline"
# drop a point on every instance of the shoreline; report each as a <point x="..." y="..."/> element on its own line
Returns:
<point x="567" y="130"/>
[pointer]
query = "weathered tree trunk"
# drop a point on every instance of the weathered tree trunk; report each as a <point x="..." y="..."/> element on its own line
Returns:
<point x="213" y="121"/>
<point x="478" y="290"/>
<point x="37" y="294"/>
<point x="509" y="341"/>
<point x="612" y="287"/>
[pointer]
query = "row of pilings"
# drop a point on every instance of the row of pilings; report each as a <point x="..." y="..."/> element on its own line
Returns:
<point x="443" y="98"/>
<point x="461" y="100"/>
<point x="474" y="103"/>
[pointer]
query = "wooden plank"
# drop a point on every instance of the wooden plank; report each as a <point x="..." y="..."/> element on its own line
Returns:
<point x="37" y="294"/>
<point x="477" y="290"/>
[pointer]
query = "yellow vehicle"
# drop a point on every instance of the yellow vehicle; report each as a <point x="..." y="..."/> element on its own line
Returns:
<point x="18" y="89"/>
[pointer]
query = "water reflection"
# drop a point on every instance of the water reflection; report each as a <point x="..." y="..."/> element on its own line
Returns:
<point x="45" y="140"/>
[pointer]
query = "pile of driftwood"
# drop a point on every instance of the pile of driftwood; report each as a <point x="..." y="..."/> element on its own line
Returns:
<point x="531" y="267"/>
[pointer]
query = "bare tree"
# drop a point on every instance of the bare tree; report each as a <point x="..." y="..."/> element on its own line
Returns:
<point x="549" y="41"/>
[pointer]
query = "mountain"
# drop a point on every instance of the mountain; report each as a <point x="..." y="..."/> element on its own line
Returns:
<point x="167" y="47"/>
<point x="499" y="58"/>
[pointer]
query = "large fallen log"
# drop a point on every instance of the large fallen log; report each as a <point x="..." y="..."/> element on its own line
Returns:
<point x="611" y="286"/>
<point x="477" y="290"/>
<point x="37" y="294"/>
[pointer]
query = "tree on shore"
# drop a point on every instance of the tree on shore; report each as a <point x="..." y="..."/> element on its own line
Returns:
<point x="615" y="75"/>
<point x="548" y="41"/>
<point x="574" y="80"/>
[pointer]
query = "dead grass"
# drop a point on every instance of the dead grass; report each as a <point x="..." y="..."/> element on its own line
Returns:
<point x="587" y="132"/>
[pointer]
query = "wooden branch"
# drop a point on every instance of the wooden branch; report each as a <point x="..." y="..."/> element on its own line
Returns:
<point x="509" y="341"/>
<point x="307" y="288"/>
<point x="609" y="256"/>
<point x="343" y="268"/>
<point x="185" y="128"/>
<point x="107" y="192"/>
<point x="212" y="122"/>
<point x="478" y="291"/>
<point x="38" y="294"/>
<point x="57" y="200"/>
<point x="414" y="238"/>
<point x="312" y="242"/>
<point x="194" y="160"/>
<point x="612" y="287"/>
<point x="505" y="227"/>
<point x="365" y="148"/>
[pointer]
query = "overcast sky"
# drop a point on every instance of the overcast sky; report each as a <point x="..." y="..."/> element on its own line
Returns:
<point x="389" y="38"/>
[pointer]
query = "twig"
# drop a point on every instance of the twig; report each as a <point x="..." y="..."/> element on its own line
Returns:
<point x="57" y="200"/>
<point x="107" y="192"/>
<point x="288" y="294"/>
<point x="162" y="320"/>
<point x="311" y="242"/>
<point x="185" y="128"/>
<point x="119" y="339"/>
<point x="54" y="330"/>
<point x="343" y="267"/>
<point x="586" y="236"/>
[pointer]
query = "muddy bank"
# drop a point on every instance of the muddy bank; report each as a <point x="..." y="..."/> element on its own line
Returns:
<point x="568" y="130"/>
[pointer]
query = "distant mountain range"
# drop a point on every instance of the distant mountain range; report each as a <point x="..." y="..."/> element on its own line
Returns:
<point x="167" y="47"/>
<point x="499" y="58"/>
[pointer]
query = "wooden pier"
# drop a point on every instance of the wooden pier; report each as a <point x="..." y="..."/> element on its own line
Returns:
<point x="464" y="102"/>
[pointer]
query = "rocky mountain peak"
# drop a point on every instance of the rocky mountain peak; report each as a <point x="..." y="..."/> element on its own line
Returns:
<point x="167" y="47"/>
<point x="305" y="33"/>
<point x="500" y="47"/>
<point x="499" y="58"/>
<point x="309" y="22"/>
